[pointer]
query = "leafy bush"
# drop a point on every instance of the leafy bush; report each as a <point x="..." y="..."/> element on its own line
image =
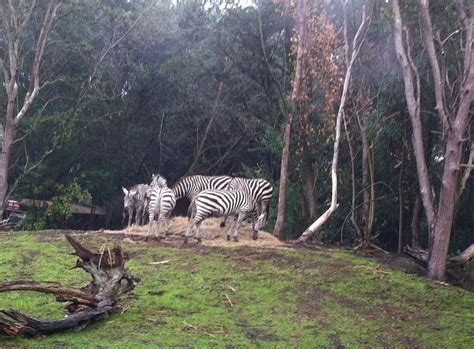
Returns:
<point x="59" y="213"/>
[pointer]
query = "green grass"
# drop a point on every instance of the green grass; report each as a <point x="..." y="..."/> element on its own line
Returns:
<point x="282" y="299"/>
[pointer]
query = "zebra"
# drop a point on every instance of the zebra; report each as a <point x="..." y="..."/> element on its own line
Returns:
<point x="259" y="189"/>
<point x="190" y="186"/>
<point x="134" y="202"/>
<point x="223" y="202"/>
<point x="162" y="203"/>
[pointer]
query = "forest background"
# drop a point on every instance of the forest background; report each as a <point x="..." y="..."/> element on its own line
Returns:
<point x="130" y="88"/>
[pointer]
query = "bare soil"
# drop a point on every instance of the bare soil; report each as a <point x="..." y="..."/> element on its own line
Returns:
<point x="212" y="234"/>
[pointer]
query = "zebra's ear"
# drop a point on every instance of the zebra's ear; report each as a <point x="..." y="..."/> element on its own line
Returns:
<point x="125" y="191"/>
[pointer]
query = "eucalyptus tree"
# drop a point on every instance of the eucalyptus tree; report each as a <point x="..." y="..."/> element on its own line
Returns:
<point x="454" y="93"/>
<point x="51" y="56"/>
<point x="21" y="61"/>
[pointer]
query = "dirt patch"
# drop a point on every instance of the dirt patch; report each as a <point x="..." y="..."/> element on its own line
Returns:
<point x="28" y="257"/>
<point x="254" y="333"/>
<point x="310" y="306"/>
<point x="212" y="234"/>
<point x="246" y="255"/>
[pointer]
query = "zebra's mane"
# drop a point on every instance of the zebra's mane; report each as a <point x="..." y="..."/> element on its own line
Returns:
<point x="179" y="181"/>
<point x="160" y="182"/>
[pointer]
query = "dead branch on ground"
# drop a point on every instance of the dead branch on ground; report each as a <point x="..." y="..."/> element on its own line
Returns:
<point x="89" y="304"/>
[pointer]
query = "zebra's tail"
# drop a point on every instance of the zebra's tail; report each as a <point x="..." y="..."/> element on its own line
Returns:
<point x="267" y="211"/>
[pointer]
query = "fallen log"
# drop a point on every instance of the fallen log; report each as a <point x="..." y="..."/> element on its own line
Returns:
<point x="92" y="303"/>
<point x="421" y="257"/>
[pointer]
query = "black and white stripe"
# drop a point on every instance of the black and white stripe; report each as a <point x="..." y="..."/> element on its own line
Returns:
<point x="190" y="186"/>
<point x="162" y="203"/>
<point x="259" y="189"/>
<point x="135" y="203"/>
<point x="223" y="203"/>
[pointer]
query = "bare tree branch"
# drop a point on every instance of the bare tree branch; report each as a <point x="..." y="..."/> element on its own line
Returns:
<point x="33" y="91"/>
<point x="356" y="45"/>
<point x="428" y="39"/>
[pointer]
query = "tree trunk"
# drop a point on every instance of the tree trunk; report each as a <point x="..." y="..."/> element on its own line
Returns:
<point x="421" y="257"/>
<point x="355" y="224"/>
<point x="411" y="82"/>
<point x="415" y="221"/>
<point x="301" y="15"/>
<point x="440" y="221"/>
<point x="438" y="250"/>
<point x="368" y="180"/>
<point x="9" y="134"/>
<point x="400" y="206"/>
<point x="285" y="161"/>
<point x="310" y="194"/>
<point x="14" y="21"/>
<point x="456" y="128"/>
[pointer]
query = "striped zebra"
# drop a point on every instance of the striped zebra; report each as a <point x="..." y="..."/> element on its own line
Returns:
<point x="162" y="203"/>
<point x="134" y="203"/>
<point x="190" y="186"/>
<point x="219" y="203"/>
<point x="259" y="189"/>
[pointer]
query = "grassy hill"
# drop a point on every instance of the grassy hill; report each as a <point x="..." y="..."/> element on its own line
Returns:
<point x="243" y="296"/>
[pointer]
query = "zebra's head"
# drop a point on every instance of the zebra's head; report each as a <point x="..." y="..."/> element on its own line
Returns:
<point x="158" y="181"/>
<point x="128" y="199"/>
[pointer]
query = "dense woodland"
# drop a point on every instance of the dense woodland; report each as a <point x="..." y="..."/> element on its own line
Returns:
<point x="97" y="95"/>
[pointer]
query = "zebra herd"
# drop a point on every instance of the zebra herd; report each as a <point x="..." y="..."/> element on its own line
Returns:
<point x="220" y="196"/>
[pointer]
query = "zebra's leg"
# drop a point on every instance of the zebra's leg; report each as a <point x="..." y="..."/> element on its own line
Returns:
<point x="264" y="206"/>
<point x="166" y="223"/>
<point x="138" y="215"/>
<point x="150" y="230"/>
<point x="157" y="234"/>
<point x="224" y="219"/>
<point x="229" y="232"/>
<point x="240" y="218"/>
<point x="130" y="216"/>
<point x="145" y="211"/>
<point x="189" y="230"/>
<point x="198" y="232"/>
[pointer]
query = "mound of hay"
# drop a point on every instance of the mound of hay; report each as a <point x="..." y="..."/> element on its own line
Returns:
<point x="212" y="233"/>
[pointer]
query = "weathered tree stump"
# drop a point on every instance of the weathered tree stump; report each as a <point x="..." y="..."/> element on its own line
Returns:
<point x="92" y="303"/>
